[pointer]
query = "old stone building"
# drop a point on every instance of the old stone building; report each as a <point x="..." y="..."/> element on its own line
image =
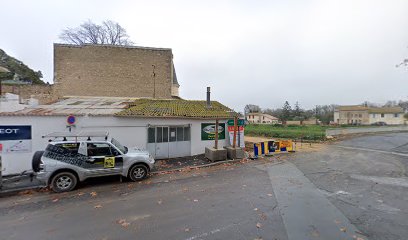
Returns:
<point x="114" y="71"/>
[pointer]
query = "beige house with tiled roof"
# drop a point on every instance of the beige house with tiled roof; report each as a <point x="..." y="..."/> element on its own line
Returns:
<point x="261" y="118"/>
<point x="362" y="115"/>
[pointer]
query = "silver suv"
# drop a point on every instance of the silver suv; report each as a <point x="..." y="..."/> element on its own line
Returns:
<point x="64" y="163"/>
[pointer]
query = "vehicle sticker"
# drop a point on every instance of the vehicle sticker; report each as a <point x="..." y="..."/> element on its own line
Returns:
<point x="70" y="145"/>
<point x="109" y="162"/>
<point x="64" y="155"/>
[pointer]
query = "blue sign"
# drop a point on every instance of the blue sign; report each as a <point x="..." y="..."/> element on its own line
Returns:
<point x="71" y="119"/>
<point x="15" y="132"/>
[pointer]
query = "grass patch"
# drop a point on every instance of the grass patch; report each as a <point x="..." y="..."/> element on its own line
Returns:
<point x="310" y="132"/>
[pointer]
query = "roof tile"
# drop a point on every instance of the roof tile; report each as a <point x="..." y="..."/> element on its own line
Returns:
<point x="176" y="108"/>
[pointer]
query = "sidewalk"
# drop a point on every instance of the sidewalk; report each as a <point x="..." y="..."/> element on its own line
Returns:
<point x="182" y="162"/>
<point x="12" y="184"/>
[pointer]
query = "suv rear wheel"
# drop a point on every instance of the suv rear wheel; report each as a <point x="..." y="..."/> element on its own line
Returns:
<point x="138" y="172"/>
<point x="63" y="182"/>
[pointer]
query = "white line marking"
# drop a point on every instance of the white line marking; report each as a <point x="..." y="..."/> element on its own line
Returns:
<point x="373" y="150"/>
<point x="402" y="182"/>
<point x="206" y="234"/>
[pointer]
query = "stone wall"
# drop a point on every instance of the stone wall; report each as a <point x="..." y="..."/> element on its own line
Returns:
<point x="43" y="93"/>
<point x="112" y="71"/>
<point x="356" y="130"/>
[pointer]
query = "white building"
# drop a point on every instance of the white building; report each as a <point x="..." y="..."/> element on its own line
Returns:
<point x="166" y="128"/>
<point x="362" y="115"/>
<point x="11" y="102"/>
<point x="261" y="118"/>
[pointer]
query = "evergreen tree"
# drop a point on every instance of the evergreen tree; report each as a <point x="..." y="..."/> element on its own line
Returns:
<point x="286" y="112"/>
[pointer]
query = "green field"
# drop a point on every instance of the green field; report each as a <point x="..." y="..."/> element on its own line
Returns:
<point x="310" y="132"/>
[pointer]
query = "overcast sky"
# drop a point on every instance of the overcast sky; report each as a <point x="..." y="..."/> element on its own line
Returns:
<point x="259" y="52"/>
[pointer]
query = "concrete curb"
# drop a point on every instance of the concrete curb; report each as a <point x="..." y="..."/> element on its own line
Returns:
<point x="196" y="167"/>
<point x="14" y="191"/>
<point x="207" y="165"/>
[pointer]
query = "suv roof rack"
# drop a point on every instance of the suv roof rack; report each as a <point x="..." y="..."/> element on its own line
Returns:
<point x="77" y="135"/>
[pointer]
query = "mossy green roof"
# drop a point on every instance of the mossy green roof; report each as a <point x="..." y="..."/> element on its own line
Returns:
<point x="177" y="108"/>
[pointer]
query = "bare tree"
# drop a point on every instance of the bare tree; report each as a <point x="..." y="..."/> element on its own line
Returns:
<point x="109" y="32"/>
<point x="251" y="108"/>
<point x="403" y="63"/>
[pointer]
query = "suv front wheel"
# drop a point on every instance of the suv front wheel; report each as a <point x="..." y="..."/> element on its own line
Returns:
<point x="138" y="172"/>
<point x="63" y="182"/>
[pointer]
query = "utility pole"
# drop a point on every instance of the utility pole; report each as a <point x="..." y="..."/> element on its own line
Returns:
<point x="216" y="134"/>
<point x="154" y="80"/>
<point x="234" y="139"/>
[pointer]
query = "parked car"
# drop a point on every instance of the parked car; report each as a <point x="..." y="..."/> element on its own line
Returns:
<point x="379" y="124"/>
<point x="65" y="163"/>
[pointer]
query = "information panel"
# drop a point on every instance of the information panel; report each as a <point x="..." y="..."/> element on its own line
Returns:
<point x="15" y="138"/>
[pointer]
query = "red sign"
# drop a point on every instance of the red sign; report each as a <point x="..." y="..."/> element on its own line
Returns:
<point x="71" y="120"/>
<point x="239" y="128"/>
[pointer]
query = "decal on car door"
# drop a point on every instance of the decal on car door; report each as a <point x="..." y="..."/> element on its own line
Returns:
<point x="109" y="162"/>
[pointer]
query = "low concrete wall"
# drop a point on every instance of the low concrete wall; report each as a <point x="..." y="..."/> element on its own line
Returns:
<point x="345" y="131"/>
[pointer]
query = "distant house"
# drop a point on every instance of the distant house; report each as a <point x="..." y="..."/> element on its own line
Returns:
<point x="261" y="118"/>
<point x="362" y="115"/>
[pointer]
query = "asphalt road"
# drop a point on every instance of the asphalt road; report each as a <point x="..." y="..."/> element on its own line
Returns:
<point x="355" y="189"/>
<point x="366" y="179"/>
<point x="225" y="202"/>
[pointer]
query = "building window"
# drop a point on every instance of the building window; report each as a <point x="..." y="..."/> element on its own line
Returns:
<point x="373" y="115"/>
<point x="186" y="133"/>
<point x="396" y="115"/>
<point x="151" y="133"/>
<point x="360" y="115"/>
<point x="168" y="134"/>
<point x="382" y="115"/>
<point x="180" y="134"/>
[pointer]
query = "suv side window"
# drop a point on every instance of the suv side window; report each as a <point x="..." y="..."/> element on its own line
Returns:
<point x="71" y="147"/>
<point x="99" y="149"/>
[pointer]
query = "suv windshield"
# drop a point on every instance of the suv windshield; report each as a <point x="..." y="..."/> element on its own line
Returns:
<point x="119" y="146"/>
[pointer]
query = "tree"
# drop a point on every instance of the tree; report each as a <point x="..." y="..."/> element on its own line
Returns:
<point x="403" y="63"/>
<point x="286" y="112"/>
<point x="109" y="32"/>
<point x="390" y="103"/>
<point x="325" y="113"/>
<point x="298" y="112"/>
<point x="403" y="105"/>
<point x="251" y="108"/>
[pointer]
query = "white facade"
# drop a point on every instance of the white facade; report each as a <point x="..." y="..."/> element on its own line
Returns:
<point x="261" y="118"/>
<point x="11" y="103"/>
<point x="131" y="132"/>
<point x="389" y="118"/>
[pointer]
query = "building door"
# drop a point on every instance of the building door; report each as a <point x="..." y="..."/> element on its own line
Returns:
<point x="169" y="141"/>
